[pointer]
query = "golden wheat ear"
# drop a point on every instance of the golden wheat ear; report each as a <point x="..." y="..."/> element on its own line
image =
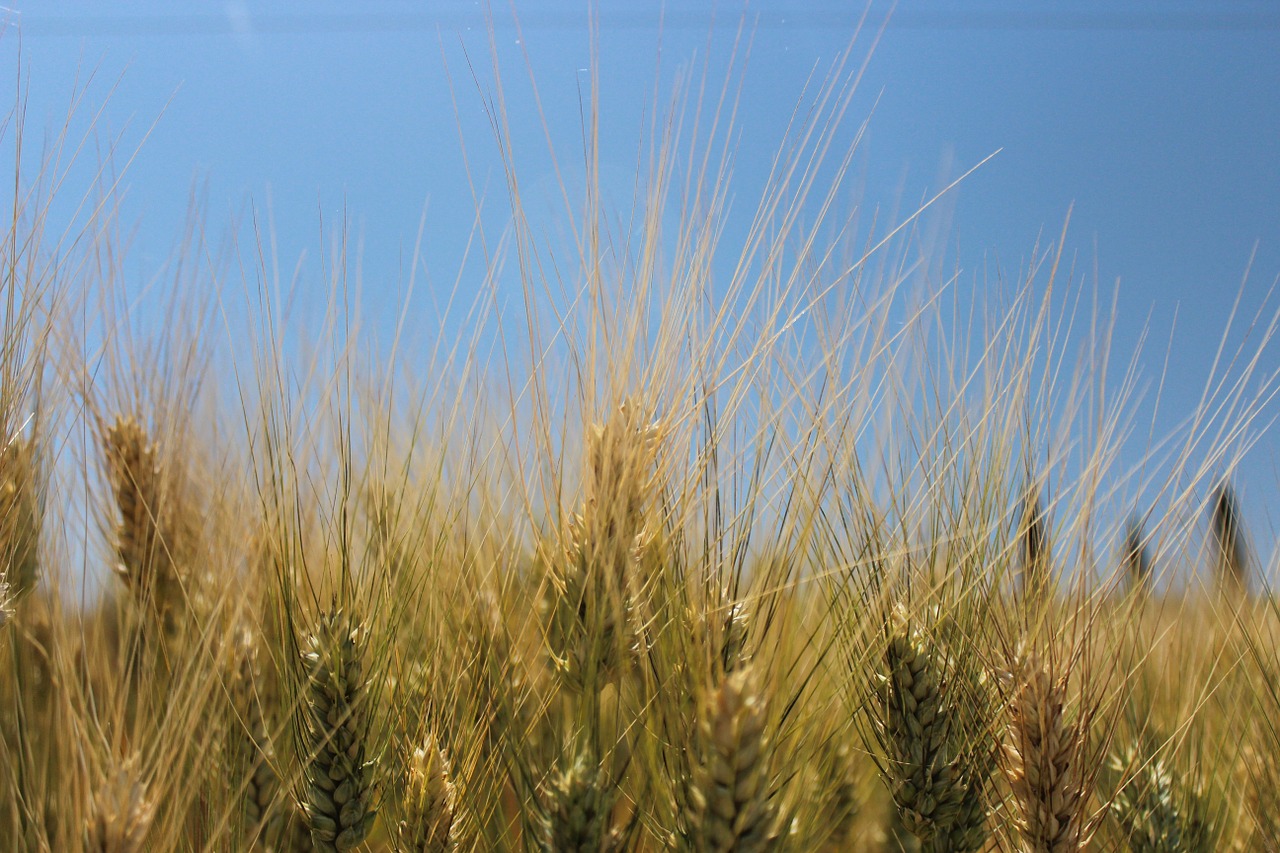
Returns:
<point x="596" y="586"/>
<point x="1043" y="756"/>
<point x="120" y="813"/>
<point x="21" y="516"/>
<point x="146" y="535"/>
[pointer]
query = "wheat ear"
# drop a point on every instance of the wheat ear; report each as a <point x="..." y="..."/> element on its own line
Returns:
<point x="595" y="585"/>
<point x="919" y="732"/>
<point x="841" y="803"/>
<point x="145" y="537"/>
<point x="578" y="804"/>
<point x="120" y="813"/>
<point x="429" y="802"/>
<point x="338" y="798"/>
<point x="1232" y="551"/>
<point x="730" y="799"/>
<point x="20" y="516"/>
<point x="262" y="787"/>
<point x="1043" y="753"/>
<point x="1156" y="810"/>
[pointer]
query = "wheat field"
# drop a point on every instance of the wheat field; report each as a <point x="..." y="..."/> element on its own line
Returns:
<point x="792" y="552"/>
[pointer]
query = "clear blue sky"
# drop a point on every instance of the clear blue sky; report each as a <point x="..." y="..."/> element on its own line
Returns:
<point x="1157" y="121"/>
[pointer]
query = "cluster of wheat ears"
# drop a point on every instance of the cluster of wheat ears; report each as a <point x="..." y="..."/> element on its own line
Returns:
<point x="795" y="544"/>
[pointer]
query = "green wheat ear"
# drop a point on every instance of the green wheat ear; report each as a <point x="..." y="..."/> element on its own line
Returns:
<point x="578" y="803"/>
<point x="731" y="804"/>
<point x="1156" y="809"/>
<point x="841" y="802"/>
<point x="919" y="731"/>
<point x="338" y="798"/>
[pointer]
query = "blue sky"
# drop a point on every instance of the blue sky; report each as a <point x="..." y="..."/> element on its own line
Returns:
<point x="1156" y="123"/>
